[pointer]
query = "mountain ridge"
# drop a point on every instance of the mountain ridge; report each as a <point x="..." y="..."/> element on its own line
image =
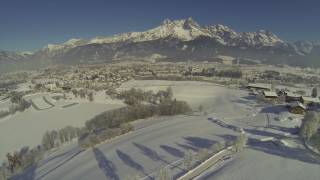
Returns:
<point x="182" y="39"/>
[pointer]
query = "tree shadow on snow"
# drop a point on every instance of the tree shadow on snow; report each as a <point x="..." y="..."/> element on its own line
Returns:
<point x="28" y="174"/>
<point x="199" y="142"/>
<point x="173" y="151"/>
<point x="66" y="154"/>
<point x="263" y="133"/>
<point x="187" y="147"/>
<point x="276" y="109"/>
<point x="222" y="124"/>
<point x="153" y="155"/>
<point x="150" y="153"/>
<point x="270" y="147"/>
<point x="227" y="137"/>
<point x="291" y="130"/>
<point x="129" y="161"/>
<point x="107" y="167"/>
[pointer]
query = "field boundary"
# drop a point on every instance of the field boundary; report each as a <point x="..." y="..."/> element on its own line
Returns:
<point x="35" y="106"/>
<point x="47" y="101"/>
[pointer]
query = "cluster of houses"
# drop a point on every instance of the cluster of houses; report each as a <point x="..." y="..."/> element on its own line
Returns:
<point x="295" y="102"/>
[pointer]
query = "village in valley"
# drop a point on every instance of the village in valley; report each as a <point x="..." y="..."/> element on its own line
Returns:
<point x="159" y="90"/>
<point x="266" y="103"/>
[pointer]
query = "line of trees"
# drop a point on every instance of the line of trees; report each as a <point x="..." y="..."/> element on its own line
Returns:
<point x="20" y="160"/>
<point x="136" y="96"/>
<point x="140" y="105"/>
<point x="209" y="72"/>
<point x="83" y="93"/>
<point x="55" y="138"/>
<point x="137" y="109"/>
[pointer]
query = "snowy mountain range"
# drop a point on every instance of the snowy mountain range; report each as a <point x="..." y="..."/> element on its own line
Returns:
<point x="177" y="40"/>
<point x="184" y="30"/>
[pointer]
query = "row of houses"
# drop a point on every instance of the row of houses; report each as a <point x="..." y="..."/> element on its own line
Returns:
<point x="296" y="103"/>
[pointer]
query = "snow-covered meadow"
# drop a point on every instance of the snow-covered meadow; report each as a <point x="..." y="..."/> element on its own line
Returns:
<point x="27" y="128"/>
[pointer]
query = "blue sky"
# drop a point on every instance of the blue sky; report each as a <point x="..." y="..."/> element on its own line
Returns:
<point x="31" y="24"/>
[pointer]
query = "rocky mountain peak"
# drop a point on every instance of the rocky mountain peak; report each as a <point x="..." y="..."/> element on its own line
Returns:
<point x="190" y="23"/>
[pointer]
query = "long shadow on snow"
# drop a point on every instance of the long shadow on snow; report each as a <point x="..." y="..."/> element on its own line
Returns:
<point x="187" y="147"/>
<point x="67" y="153"/>
<point x="227" y="137"/>
<point x="28" y="174"/>
<point x="223" y="124"/>
<point x="129" y="161"/>
<point x="61" y="163"/>
<point x="292" y="130"/>
<point x="263" y="133"/>
<point x="107" y="166"/>
<point x="277" y="109"/>
<point x="152" y="154"/>
<point x="199" y="142"/>
<point x="283" y="151"/>
<point x="173" y="151"/>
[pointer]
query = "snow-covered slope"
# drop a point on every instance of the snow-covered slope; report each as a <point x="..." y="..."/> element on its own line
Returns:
<point x="184" y="30"/>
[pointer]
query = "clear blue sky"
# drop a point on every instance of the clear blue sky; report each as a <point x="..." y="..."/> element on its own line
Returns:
<point x="31" y="24"/>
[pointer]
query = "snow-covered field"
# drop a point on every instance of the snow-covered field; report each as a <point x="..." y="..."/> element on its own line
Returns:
<point x="194" y="92"/>
<point x="253" y="164"/>
<point x="164" y="139"/>
<point x="27" y="128"/>
<point x="4" y="105"/>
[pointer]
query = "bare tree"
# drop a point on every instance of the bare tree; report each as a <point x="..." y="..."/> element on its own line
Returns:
<point x="216" y="147"/>
<point x="187" y="160"/>
<point x="203" y="154"/>
<point x="240" y="142"/>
